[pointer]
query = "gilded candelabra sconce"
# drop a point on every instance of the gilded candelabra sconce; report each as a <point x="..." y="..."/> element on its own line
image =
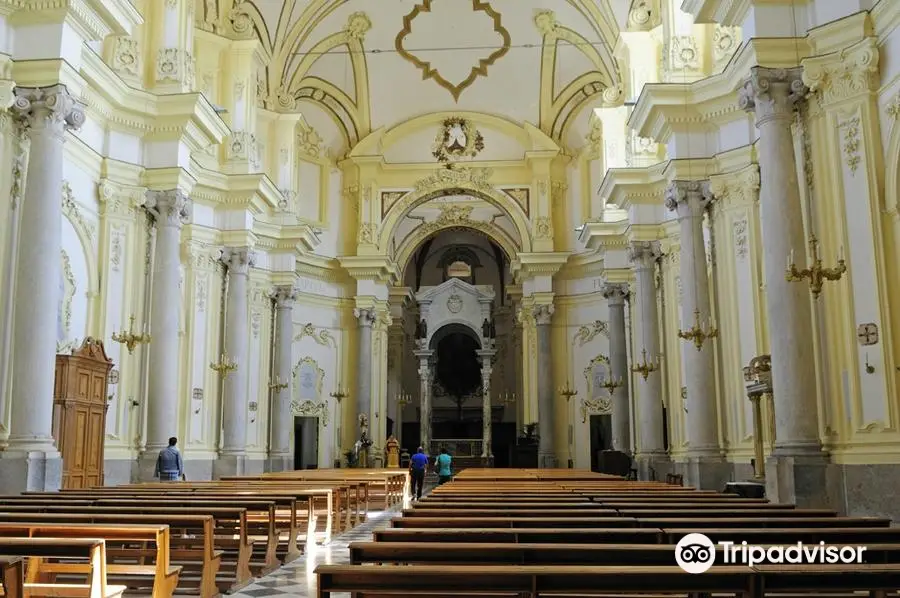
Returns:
<point x="339" y="394"/>
<point x="404" y="399"/>
<point x="568" y="392"/>
<point x="698" y="333"/>
<point x="225" y="366"/>
<point x="870" y="369"/>
<point x="816" y="274"/>
<point x="130" y="339"/>
<point x="277" y="385"/>
<point x="645" y="368"/>
<point x="611" y="384"/>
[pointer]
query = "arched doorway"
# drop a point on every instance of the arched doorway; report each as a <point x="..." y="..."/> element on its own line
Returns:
<point x="456" y="414"/>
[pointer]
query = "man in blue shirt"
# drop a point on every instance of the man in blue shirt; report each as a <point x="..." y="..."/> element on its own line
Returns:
<point x="169" y="467"/>
<point x="417" y="466"/>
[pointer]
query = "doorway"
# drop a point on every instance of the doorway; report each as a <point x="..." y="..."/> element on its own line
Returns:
<point x="601" y="437"/>
<point x="306" y="442"/>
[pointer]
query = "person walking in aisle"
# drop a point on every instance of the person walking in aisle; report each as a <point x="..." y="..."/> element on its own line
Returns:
<point x="169" y="467"/>
<point x="442" y="465"/>
<point x="417" y="466"/>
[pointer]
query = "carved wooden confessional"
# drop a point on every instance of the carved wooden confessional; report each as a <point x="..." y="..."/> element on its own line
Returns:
<point x="79" y="413"/>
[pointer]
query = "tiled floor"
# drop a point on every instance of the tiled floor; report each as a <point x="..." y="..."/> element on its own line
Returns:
<point x="297" y="578"/>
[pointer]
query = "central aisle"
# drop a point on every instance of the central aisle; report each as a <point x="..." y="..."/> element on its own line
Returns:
<point x="297" y="578"/>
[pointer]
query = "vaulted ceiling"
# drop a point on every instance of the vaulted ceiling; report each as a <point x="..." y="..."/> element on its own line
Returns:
<point x="353" y="66"/>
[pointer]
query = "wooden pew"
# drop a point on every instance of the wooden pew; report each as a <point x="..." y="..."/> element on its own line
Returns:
<point x="192" y="539"/>
<point x="744" y="513"/>
<point x="92" y="551"/>
<point x="548" y="553"/>
<point x="498" y="522"/>
<point x="622" y="535"/>
<point x="120" y="546"/>
<point x="602" y="580"/>
<point x="528" y="580"/>
<point x="511" y="512"/>
<point x="701" y="523"/>
<point x="807" y="535"/>
<point x="12" y="577"/>
<point x="236" y="512"/>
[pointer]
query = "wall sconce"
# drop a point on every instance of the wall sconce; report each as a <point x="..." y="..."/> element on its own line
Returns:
<point x="870" y="369"/>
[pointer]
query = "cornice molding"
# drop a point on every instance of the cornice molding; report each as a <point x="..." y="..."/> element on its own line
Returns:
<point x="666" y="108"/>
<point x="538" y="264"/>
<point x="93" y="20"/>
<point x="380" y="268"/>
<point x="626" y="187"/>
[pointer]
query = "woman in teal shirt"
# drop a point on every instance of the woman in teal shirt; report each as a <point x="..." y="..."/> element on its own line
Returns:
<point x="442" y="464"/>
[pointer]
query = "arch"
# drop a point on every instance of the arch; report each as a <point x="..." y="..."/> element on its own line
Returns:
<point x="447" y="182"/>
<point x="412" y="242"/>
<point x="453" y="327"/>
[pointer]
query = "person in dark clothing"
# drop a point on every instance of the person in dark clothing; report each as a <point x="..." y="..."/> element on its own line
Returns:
<point x="169" y="466"/>
<point x="417" y="466"/>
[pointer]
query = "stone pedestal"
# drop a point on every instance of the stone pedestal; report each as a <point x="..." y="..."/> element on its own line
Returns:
<point x="546" y="417"/>
<point x="808" y="482"/>
<point x="616" y="294"/>
<point x="31" y="460"/>
<point x="707" y="473"/>
<point x="275" y="464"/>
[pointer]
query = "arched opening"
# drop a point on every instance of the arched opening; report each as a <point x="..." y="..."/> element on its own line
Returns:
<point x="457" y="383"/>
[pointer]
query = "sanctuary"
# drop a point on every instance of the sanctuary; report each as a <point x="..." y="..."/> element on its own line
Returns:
<point x="293" y="233"/>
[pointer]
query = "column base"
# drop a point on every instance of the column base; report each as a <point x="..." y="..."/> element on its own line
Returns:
<point x="487" y="460"/>
<point x="276" y="463"/>
<point x="808" y="482"/>
<point x="233" y="465"/>
<point x="707" y="473"/>
<point x="548" y="461"/>
<point x="653" y="466"/>
<point x="30" y="471"/>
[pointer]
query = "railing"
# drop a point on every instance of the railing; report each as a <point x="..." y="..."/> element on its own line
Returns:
<point x="458" y="447"/>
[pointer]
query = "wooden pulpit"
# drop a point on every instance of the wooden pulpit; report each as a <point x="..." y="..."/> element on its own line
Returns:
<point x="79" y="413"/>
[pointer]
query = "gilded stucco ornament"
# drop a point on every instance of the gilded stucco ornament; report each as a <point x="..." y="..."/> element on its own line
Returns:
<point x="368" y="233"/>
<point x="479" y="8"/>
<point x="545" y="21"/>
<point x="358" y="24"/>
<point x="126" y="55"/>
<point x="855" y="72"/>
<point x="321" y="336"/>
<point x="587" y="333"/>
<point x="543" y="228"/>
<point x="458" y="138"/>
<point x="850" y="143"/>
<point x="444" y="178"/>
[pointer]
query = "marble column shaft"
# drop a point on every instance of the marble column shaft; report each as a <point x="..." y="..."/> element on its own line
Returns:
<point x="45" y="114"/>
<point x="772" y="95"/>
<point x="366" y="318"/>
<point x="644" y="255"/>
<point x="425" y="401"/>
<point x="284" y="296"/>
<point x="487" y="424"/>
<point x="543" y="314"/>
<point x="171" y="210"/>
<point x="616" y="294"/>
<point x="689" y="200"/>
<point x="239" y="260"/>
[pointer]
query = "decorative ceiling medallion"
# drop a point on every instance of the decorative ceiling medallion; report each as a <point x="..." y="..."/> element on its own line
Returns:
<point x="454" y="303"/>
<point x="458" y="138"/>
<point x="429" y="72"/>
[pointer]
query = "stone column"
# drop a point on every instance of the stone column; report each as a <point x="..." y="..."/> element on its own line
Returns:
<point x="772" y="94"/>
<point x="644" y="255"/>
<point x="425" y="399"/>
<point x="366" y="319"/>
<point x="238" y="260"/>
<point x="487" y="453"/>
<point x="616" y="294"/>
<point x="546" y="420"/>
<point x="171" y="209"/>
<point x="281" y="454"/>
<point x="31" y="460"/>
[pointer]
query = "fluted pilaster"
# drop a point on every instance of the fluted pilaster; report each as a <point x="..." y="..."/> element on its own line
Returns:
<point x="616" y="294"/>
<point x="543" y="314"/>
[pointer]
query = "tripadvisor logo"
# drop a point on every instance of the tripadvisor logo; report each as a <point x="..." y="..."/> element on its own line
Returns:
<point x="696" y="553"/>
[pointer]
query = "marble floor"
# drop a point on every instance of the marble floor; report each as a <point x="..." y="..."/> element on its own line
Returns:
<point x="298" y="579"/>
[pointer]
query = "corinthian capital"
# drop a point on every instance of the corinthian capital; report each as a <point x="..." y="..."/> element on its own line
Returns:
<point x="543" y="314"/>
<point x="238" y="259"/>
<point x="51" y="108"/>
<point x="644" y="254"/>
<point x="365" y="316"/>
<point x="615" y="293"/>
<point x="284" y="295"/>
<point x="772" y="93"/>
<point x="170" y="208"/>
<point x="688" y="198"/>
